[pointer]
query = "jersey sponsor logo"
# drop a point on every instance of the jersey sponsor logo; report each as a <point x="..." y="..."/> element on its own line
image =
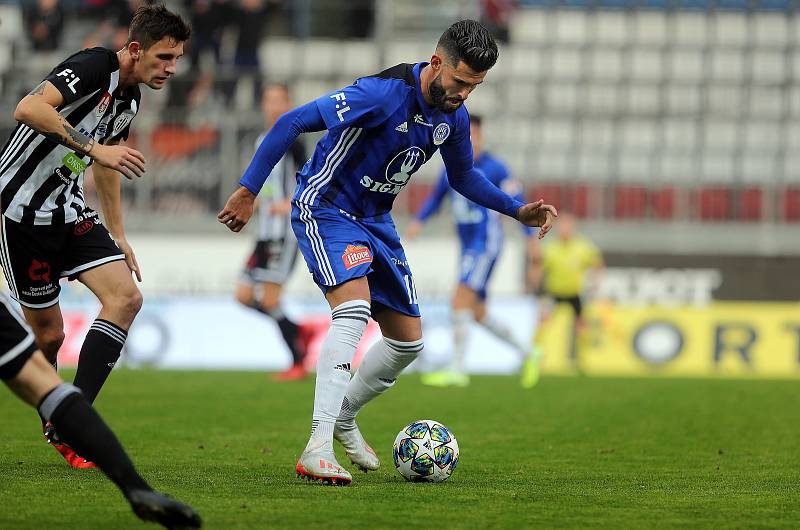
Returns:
<point x="83" y="227"/>
<point x="122" y="121"/>
<point x="105" y="101"/>
<point x="404" y="164"/>
<point x="355" y="255"/>
<point x="66" y="179"/>
<point x="69" y="78"/>
<point x="440" y="133"/>
<point x="74" y="163"/>
<point x="39" y="271"/>
<point x="341" y="105"/>
<point x="418" y="119"/>
<point x="398" y="171"/>
<point x="403" y="127"/>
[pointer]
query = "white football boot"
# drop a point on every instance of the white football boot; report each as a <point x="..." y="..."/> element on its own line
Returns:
<point x="358" y="450"/>
<point x="320" y="464"/>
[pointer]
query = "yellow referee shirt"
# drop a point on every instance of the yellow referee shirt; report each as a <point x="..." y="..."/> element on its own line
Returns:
<point x="565" y="264"/>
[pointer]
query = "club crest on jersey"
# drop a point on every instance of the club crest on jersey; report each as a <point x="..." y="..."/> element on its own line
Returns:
<point x="355" y="255"/>
<point x="122" y="121"/>
<point x="440" y="133"/>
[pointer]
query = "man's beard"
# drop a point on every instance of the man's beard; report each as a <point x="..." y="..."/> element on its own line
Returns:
<point x="439" y="96"/>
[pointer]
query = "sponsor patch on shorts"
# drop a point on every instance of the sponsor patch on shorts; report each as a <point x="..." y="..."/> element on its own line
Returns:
<point x="355" y="255"/>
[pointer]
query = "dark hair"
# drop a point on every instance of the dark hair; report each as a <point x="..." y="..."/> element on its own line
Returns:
<point x="152" y="23"/>
<point x="471" y="42"/>
<point x="475" y="119"/>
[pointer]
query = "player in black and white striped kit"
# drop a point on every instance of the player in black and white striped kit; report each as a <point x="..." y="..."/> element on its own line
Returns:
<point x="26" y="372"/>
<point x="76" y="117"/>
<point x="275" y="251"/>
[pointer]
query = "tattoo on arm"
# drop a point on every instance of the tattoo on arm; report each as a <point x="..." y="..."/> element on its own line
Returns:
<point x="83" y="141"/>
<point x="39" y="90"/>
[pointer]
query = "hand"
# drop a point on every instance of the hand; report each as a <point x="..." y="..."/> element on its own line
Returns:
<point x="130" y="257"/>
<point x="238" y="209"/>
<point x="538" y="214"/>
<point x="127" y="161"/>
<point x="413" y="230"/>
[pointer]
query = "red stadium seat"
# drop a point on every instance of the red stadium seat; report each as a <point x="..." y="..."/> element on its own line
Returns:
<point x="171" y="142"/>
<point x="749" y="202"/>
<point x="580" y="205"/>
<point x="572" y="198"/>
<point x="713" y="203"/>
<point x="791" y="204"/>
<point x="551" y="193"/>
<point x="662" y="203"/>
<point x="630" y="202"/>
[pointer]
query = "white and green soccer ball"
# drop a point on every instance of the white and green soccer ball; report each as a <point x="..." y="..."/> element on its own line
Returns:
<point x="425" y="451"/>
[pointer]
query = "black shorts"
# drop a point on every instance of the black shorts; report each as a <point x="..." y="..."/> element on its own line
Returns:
<point x="36" y="257"/>
<point x="271" y="261"/>
<point x="572" y="301"/>
<point x="16" y="340"/>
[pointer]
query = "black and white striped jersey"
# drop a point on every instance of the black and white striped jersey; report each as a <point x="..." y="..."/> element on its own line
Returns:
<point x="279" y="186"/>
<point x="41" y="181"/>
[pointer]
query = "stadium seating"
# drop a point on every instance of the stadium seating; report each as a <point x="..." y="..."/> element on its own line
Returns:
<point x="615" y="109"/>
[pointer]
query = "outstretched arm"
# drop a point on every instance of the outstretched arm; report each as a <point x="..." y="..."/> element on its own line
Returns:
<point x="281" y="136"/>
<point x="473" y="185"/>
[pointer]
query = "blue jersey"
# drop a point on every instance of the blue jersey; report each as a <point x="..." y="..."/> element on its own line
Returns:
<point x="380" y="131"/>
<point x="478" y="227"/>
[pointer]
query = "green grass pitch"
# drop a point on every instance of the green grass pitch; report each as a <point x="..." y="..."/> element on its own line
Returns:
<point x="571" y="453"/>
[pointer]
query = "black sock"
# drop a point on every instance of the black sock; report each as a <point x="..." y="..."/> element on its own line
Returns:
<point x="99" y="354"/>
<point x="85" y="431"/>
<point x="289" y="330"/>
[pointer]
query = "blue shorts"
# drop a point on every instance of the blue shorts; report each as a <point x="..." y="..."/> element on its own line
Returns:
<point x="338" y="247"/>
<point x="476" y="268"/>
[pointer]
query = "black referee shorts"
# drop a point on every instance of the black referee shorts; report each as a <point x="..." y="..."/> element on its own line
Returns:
<point x="573" y="301"/>
<point x="16" y="341"/>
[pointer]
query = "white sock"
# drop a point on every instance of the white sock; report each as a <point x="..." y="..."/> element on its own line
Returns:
<point x="348" y="322"/>
<point x="379" y="370"/>
<point x="503" y="332"/>
<point x="462" y="323"/>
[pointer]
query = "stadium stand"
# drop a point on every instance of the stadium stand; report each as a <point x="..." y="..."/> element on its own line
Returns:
<point x="618" y="110"/>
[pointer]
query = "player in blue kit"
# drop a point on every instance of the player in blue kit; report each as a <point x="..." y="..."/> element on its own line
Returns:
<point x="381" y="129"/>
<point x="480" y="232"/>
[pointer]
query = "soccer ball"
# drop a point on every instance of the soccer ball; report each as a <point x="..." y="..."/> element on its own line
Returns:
<point x="425" y="451"/>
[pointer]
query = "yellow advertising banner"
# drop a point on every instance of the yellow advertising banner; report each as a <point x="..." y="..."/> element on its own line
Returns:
<point x="727" y="339"/>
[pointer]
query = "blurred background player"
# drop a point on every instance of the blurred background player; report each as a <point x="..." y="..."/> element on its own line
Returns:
<point x="561" y="269"/>
<point x="28" y="374"/>
<point x="381" y="129"/>
<point x="480" y="233"/>
<point x="275" y="253"/>
<point x="76" y="116"/>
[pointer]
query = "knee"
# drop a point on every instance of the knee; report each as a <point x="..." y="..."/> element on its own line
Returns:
<point x="129" y="303"/>
<point x="244" y="297"/>
<point x="50" y="341"/>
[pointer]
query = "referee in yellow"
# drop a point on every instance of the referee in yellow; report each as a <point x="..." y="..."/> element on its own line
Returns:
<point x="559" y="268"/>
